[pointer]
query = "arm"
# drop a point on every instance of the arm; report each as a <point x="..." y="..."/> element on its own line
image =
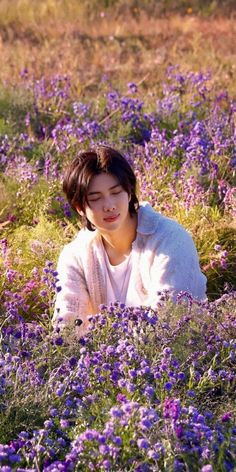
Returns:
<point x="176" y="268"/>
<point x="72" y="300"/>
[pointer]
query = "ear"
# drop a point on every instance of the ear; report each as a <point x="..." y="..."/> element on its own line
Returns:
<point x="80" y="212"/>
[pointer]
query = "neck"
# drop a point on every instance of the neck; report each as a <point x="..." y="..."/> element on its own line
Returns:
<point x="119" y="243"/>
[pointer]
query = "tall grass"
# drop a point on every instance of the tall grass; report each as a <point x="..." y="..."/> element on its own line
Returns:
<point x="153" y="375"/>
<point x="90" y="40"/>
<point x="32" y="12"/>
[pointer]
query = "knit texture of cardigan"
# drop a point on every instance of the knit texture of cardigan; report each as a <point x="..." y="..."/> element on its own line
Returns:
<point x="164" y="258"/>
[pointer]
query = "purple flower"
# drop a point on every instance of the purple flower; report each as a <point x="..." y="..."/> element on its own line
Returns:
<point x="153" y="454"/>
<point x="171" y="408"/>
<point x="117" y="440"/>
<point x="167" y="352"/>
<point x="90" y="435"/>
<point x="104" y="449"/>
<point x="181" y="376"/>
<point x="107" y="464"/>
<point x="14" y="458"/>
<point x="207" y="468"/>
<point x="132" y="87"/>
<point x="59" y="341"/>
<point x="145" y="424"/>
<point x="149" y="391"/>
<point x="54" y="412"/>
<point x="226" y="417"/>
<point x="168" y="386"/>
<point x="179" y="431"/>
<point x="48" y="424"/>
<point x="64" y="424"/>
<point x="116" y="412"/>
<point x="143" y="443"/>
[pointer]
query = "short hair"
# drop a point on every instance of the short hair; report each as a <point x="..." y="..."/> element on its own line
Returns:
<point x="93" y="162"/>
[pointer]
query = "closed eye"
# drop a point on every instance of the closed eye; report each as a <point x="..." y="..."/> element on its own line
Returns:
<point x="97" y="198"/>
<point x="94" y="199"/>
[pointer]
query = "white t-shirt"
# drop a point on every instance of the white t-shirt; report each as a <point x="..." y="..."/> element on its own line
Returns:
<point x="119" y="286"/>
<point x="117" y="278"/>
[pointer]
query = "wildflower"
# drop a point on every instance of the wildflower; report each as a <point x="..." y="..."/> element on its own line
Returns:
<point x="117" y="440"/>
<point x="207" y="468"/>
<point x="171" y="408"/>
<point x="106" y="464"/>
<point x="116" y="412"/>
<point x="48" y="424"/>
<point x="181" y="375"/>
<point x="149" y="391"/>
<point x="142" y="443"/>
<point x="132" y="87"/>
<point x="226" y="417"/>
<point x="145" y="423"/>
<point x="104" y="449"/>
<point x="153" y="454"/>
<point x="64" y="424"/>
<point x="58" y="341"/>
<point x="168" y="386"/>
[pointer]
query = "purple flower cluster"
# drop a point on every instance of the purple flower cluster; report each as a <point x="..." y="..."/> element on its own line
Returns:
<point x="25" y="171"/>
<point x="186" y="136"/>
<point x="144" y="390"/>
<point x="111" y="400"/>
<point x="21" y="295"/>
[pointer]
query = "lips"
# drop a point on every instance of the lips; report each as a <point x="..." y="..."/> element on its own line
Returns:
<point x="111" y="218"/>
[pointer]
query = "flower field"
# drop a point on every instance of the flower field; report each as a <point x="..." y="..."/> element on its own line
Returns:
<point x="144" y="390"/>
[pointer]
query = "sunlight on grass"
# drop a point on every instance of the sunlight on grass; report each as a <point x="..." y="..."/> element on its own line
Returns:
<point x="144" y="390"/>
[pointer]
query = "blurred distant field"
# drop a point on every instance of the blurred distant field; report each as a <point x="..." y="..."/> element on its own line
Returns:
<point x="125" y="41"/>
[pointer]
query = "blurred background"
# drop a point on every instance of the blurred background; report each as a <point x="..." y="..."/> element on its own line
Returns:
<point x="124" y="40"/>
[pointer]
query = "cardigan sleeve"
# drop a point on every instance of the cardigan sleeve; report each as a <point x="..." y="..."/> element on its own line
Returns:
<point x="176" y="268"/>
<point x="72" y="301"/>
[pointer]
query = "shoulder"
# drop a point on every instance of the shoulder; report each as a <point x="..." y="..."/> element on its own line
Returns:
<point x="162" y="230"/>
<point x="151" y="221"/>
<point x="174" y="231"/>
<point x="80" y="244"/>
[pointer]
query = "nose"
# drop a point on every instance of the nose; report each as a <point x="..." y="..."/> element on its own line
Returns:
<point x="108" y="205"/>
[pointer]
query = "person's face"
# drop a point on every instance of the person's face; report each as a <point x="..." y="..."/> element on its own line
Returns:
<point x="108" y="203"/>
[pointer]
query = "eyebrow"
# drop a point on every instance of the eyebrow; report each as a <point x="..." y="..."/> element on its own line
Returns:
<point x="111" y="188"/>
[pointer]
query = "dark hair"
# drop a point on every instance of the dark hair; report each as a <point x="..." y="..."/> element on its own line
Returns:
<point x="93" y="162"/>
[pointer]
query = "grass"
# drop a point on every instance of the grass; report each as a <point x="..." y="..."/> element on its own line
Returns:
<point x="102" y="46"/>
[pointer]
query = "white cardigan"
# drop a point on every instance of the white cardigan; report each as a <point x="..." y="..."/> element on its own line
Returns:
<point x="164" y="257"/>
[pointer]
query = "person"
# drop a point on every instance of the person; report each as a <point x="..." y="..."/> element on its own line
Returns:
<point x="126" y="251"/>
